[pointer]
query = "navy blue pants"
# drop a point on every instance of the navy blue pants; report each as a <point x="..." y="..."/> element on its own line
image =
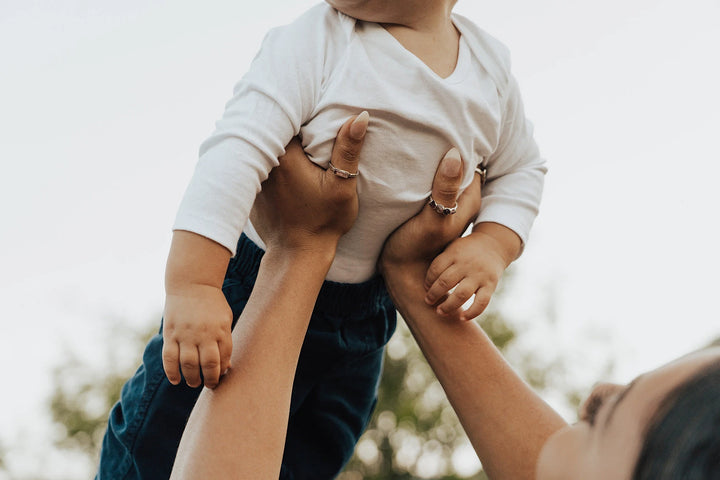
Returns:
<point x="333" y="396"/>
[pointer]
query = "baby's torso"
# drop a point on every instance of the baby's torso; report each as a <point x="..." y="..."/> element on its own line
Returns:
<point x="415" y="118"/>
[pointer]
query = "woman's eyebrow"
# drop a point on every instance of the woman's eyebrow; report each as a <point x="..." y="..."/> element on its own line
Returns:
<point x="620" y="398"/>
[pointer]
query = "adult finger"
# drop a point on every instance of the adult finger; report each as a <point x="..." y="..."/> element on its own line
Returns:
<point x="190" y="364"/>
<point x="470" y="201"/>
<point x="439" y="230"/>
<point x="348" y="143"/>
<point x="291" y="165"/>
<point x="448" y="178"/>
<point x="171" y="359"/>
<point x="210" y="364"/>
<point x="293" y="154"/>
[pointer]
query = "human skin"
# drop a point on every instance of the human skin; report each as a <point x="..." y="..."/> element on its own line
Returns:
<point x="197" y="319"/>
<point x="606" y="443"/>
<point x="505" y="420"/>
<point x="515" y="434"/>
<point x="238" y="429"/>
<point x="473" y="265"/>
<point x="197" y="340"/>
<point x="508" y="424"/>
<point x="423" y="27"/>
<point x="411" y="13"/>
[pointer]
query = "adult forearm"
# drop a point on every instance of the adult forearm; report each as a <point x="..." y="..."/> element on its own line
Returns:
<point x="238" y="429"/>
<point x="505" y="420"/>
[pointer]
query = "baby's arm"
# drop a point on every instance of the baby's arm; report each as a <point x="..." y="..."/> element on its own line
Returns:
<point x="197" y="320"/>
<point x="273" y="99"/>
<point x="472" y="265"/>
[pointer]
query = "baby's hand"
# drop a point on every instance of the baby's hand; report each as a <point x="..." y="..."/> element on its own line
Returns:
<point x="197" y="335"/>
<point x="472" y="265"/>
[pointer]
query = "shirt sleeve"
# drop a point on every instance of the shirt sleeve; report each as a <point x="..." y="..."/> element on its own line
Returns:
<point x="516" y="172"/>
<point x="269" y="104"/>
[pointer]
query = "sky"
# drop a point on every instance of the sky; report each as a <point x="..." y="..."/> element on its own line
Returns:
<point x="103" y="106"/>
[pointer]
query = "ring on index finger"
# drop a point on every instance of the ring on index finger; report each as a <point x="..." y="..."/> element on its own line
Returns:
<point x="341" y="173"/>
<point x="440" y="208"/>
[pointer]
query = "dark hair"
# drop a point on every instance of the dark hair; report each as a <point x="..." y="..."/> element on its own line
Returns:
<point x="682" y="441"/>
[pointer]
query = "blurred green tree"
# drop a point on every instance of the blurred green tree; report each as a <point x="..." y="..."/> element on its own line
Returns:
<point x="3" y="467"/>
<point x="83" y="394"/>
<point x="414" y="432"/>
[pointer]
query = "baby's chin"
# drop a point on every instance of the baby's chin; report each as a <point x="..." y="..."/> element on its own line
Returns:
<point x="376" y="11"/>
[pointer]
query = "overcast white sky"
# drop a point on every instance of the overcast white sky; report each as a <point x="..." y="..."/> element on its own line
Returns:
<point x="103" y="106"/>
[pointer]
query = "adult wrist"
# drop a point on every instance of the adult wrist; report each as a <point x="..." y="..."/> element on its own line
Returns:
<point x="319" y="253"/>
<point x="317" y="247"/>
<point x="404" y="282"/>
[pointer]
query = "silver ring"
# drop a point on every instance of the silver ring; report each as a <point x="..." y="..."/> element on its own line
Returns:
<point x="341" y="173"/>
<point x="482" y="171"/>
<point x="440" y="208"/>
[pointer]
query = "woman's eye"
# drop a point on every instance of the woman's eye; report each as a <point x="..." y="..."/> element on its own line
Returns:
<point x="596" y="400"/>
<point x="591" y="407"/>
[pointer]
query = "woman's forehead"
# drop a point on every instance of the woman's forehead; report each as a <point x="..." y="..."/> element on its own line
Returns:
<point x="649" y="389"/>
<point x="623" y="427"/>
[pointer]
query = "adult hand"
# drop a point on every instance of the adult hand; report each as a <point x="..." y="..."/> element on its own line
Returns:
<point x="418" y="241"/>
<point x="238" y="429"/>
<point x="506" y="422"/>
<point x="301" y="205"/>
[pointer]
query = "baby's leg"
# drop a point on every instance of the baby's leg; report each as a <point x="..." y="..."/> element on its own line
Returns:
<point x="335" y="391"/>
<point x="145" y="426"/>
<point x="322" y="433"/>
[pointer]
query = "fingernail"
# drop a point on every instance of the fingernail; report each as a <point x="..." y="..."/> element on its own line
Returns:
<point x="451" y="163"/>
<point x="427" y="300"/>
<point x="358" y="127"/>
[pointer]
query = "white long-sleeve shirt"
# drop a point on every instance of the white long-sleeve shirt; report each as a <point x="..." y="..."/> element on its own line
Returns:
<point x="310" y="76"/>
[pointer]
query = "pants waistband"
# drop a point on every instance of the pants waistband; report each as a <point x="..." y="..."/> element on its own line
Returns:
<point x="351" y="300"/>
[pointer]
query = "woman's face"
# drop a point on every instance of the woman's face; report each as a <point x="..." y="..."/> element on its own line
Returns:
<point x="606" y="442"/>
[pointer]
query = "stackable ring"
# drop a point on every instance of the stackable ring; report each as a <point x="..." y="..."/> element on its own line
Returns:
<point x="440" y="208"/>
<point x="340" y="172"/>
<point x="482" y="171"/>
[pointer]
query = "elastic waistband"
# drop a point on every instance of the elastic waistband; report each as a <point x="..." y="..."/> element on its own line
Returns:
<point x="350" y="300"/>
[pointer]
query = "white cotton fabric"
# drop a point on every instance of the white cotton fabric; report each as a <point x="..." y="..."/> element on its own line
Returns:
<point x="310" y="76"/>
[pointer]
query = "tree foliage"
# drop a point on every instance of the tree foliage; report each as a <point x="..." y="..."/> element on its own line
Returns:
<point x="84" y="394"/>
<point x="414" y="432"/>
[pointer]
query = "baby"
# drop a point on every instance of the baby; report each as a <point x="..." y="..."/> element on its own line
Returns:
<point x="429" y="84"/>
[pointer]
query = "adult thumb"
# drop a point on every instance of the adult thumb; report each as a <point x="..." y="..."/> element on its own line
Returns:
<point x="448" y="179"/>
<point x="348" y="143"/>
